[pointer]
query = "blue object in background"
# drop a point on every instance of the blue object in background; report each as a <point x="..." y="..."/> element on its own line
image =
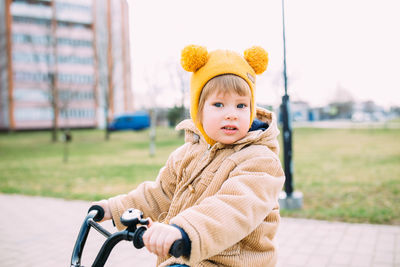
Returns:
<point x="133" y="121"/>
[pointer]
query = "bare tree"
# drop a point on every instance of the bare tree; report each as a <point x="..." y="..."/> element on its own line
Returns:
<point x="53" y="74"/>
<point x="155" y="89"/>
<point x="180" y="81"/>
<point x="50" y="68"/>
<point x="369" y="106"/>
<point x="108" y="68"/>
<point x="342" y="103"/>
<point x="103" y="42"/>
<point x="104" y="84"/>
<point x="342" y="95"/>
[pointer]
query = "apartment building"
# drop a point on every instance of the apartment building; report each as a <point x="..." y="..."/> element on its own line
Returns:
<point x="63" y="62"/>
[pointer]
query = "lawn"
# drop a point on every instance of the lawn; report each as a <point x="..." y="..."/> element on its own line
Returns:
<point x="30" y="164"/>
<point x="348" y="175"/>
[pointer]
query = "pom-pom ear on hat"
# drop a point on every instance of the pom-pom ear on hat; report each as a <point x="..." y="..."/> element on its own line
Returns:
<point x="257" y="58"/>
<point x="194" y="57"/>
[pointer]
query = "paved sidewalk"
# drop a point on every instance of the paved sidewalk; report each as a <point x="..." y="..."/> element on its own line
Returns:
<point x="37" y="231"/>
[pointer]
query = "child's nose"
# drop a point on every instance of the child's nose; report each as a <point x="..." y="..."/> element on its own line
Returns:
<point x="231" y="115"/>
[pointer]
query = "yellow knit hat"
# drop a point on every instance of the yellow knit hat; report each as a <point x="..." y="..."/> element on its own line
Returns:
<point x="206" y="66"/>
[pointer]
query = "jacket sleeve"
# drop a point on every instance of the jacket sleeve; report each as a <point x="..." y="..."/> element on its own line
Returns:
<point x="153" y="198"/>
<point x="241" y="204"/>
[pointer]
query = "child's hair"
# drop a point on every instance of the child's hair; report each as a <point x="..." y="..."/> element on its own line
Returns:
<point x="225" y="83"/>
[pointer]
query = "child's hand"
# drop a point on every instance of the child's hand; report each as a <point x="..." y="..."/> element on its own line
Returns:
<point x="107" y="212"/>
<point x="159" y="237"/>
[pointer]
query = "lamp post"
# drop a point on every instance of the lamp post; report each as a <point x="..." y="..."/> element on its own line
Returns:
<point x="289" y="199"/>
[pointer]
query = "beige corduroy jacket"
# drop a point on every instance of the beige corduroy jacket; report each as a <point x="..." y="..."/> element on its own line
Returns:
<point x="225" y="197"/>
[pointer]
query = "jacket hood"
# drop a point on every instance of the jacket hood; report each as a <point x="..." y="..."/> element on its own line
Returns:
<point x="266" y="137"/>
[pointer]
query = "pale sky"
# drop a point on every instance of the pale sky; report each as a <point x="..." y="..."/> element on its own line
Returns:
<point x="331" y="44"/>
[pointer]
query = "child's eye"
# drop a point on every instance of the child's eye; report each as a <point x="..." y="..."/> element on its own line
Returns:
<point x="241" y="106"/>
<point x="218" y="105"/>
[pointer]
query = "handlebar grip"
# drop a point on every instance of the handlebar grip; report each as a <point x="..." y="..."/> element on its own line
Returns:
<point x="175" y="250"/>
<point x="100" y="212"/>
<point x="138" y="237"/>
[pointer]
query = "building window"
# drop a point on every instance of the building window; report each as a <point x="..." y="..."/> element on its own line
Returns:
<point x="31" y="39"/>
<point x="45" y="77"/>
<point x="45" y="40"/>
<point x="33" y="114"/>
<point x="68" y="95"/>
<point x="77" y="113"/>
<point x="48" y="58"/>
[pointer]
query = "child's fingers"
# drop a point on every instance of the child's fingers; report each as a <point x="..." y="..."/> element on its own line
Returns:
<point x="155" y="242"/>
<point x="167" y="244"/>
<point x="149" y="238"/>
<point x="107" y="212"/>
<point x="160" y="246"/>
<point x="163" y="244"/>
<point x="159" y="238"/>
<point x="153" y="239"/>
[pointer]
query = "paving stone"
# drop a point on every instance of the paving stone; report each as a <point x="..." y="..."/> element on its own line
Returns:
<point x="361" y="260"/>
<point x="38" y="231"/>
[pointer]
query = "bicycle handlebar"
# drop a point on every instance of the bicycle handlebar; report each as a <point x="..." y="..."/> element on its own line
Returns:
<point x="96" y="214"/>
<point x="100" y="212"/>
<point x="82" y="236"/>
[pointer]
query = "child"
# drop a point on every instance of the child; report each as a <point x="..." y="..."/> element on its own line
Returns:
<point x="219" y="191"/>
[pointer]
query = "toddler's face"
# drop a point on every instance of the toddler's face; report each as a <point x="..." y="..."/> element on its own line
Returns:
<point x="226" y="117"/>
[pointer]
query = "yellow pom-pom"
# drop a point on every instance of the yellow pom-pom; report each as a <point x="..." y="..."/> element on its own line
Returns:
<point x="193" y="57"/>
<point x="257" y="58"/>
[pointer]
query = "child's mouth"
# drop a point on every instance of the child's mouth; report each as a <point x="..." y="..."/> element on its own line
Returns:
<point x="229" y="129"/>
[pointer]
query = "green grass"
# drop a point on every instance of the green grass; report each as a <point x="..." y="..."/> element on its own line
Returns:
<point x="31" y="164"/>
<point x="349" y="175"/>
